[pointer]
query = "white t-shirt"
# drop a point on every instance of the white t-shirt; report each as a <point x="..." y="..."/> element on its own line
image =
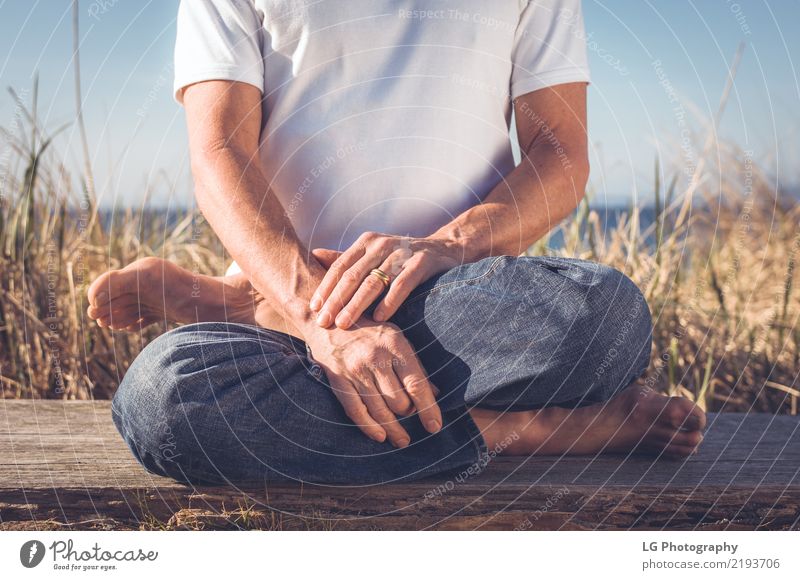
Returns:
<point x="382" y="115"/>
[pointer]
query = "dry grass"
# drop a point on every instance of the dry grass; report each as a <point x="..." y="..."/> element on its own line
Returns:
<point x="717" y="266"/>
<point x="719" y="283"/>
<point x="53" y="243"/>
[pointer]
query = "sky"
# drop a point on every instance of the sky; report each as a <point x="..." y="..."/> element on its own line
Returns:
<point x="658" y="71"/>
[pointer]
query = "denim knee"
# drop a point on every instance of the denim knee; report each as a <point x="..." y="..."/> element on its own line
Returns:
<point x="146" y="409"/>
<point x="623" y="342"/>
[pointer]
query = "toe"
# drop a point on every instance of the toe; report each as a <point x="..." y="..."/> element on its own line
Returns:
<point x="681" y="438"/>
<point x="679" y="451"/>
<point x="679" y="413"/>
<point x="132" y="302"/>
<point x="698" y="418"/>
<point x="120" y="319"/>
<point x="141" y="323"/>
<point x="96" y="312"/>
<point x="98" y="293"/>
<point x="115" y="284"/>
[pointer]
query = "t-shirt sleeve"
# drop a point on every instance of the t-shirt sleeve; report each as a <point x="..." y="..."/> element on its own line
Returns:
<point x="549" y="46"/>
<point x="217" y="40"/>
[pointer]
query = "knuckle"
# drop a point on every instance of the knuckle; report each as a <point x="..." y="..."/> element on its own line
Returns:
<point x="373" y="283"/>
<point x="401" y="254"/>
<point x="393" y="300"/>
<point x="396" y="347"/>
<point x="352" y="276"/>
<point x="384" y="414"/>
<point x="416" y="386"/>
<point x="360" y="373"/>
<point x="386" y="244"/>
<point x="332" y="277"/>
<point x="337" y="268"/>
<point x="415" y="260"/>
<point x="401" y="405"/>
<point x="355" y="413"/>
<point x="367" y="237"/>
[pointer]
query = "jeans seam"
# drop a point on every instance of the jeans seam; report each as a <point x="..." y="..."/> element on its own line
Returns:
<point x="448" y="285"/>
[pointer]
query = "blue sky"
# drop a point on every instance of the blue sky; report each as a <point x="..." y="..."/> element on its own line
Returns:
<point x="658" y="68"/>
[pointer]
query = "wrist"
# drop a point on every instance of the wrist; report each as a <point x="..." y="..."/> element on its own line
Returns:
<point x="454" y="244"/>
<point x="297" y="313"/>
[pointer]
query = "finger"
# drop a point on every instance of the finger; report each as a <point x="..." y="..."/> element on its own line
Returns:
<point x="335" y="273"/>
<point x="419" y="389"/>
<point x="325" y="256"/>
<point x="393" y="392"/>
<point x="355" y="408"/>
<point x="379" y="411"/>
<point x="367" y="292"/>
<point x="347" y="286"/>
<point x="399" y="291"/>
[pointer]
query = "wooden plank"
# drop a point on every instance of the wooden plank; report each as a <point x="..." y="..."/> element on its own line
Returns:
<point x="77" y="440"/>
<point x="65" y="462"/>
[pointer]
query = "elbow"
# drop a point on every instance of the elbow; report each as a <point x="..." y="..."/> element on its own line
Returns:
<point x="203" y="159"/>
<point x="200" y="163"/>
<point x="571" y="186"/>
<point x="211" y="162"/>
<point x="580" y="178"/>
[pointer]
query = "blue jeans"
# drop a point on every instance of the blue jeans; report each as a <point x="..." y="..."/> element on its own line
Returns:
<point x="226" y="403"/>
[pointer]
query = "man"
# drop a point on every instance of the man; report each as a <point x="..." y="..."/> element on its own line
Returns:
<point x="354" y="159"/>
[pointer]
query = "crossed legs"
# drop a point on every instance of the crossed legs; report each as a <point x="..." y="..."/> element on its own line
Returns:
<point x="635" y="419"/>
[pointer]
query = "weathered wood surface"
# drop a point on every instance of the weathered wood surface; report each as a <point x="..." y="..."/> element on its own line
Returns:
<point x="63" y="464"/>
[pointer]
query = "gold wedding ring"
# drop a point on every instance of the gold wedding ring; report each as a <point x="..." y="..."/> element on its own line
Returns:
<point x="382" y="276"/>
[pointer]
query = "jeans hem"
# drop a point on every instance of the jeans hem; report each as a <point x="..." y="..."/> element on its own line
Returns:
<point x="477" y="441"/>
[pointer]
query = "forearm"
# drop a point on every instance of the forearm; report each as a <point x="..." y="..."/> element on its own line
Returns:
<point x="252" y="225"/>
<point x="530" y="201"/>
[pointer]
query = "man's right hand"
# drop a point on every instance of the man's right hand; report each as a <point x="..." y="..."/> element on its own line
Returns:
<point x="376" y="375"/>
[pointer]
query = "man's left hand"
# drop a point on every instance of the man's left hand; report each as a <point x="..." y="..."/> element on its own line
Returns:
<point x="349" y="288"/>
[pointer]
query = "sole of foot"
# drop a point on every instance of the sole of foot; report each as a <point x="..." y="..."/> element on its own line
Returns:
<point x="638" y="420"/>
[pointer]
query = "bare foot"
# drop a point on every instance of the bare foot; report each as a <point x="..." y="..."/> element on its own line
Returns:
<point x="151" y="290"/>
<point x="638" y="420"/>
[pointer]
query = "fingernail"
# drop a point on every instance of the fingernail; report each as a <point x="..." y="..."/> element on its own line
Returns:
<point x="403" y="443"/>
<point x="433" y="426"/>
<point x="324" y="319"/>
<point x="379" y="437"/>
<point x="342" y="321"/>
<point x="378" y="315"/>
<point x="316" y="303"/>
<point x="101" y="297"/>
